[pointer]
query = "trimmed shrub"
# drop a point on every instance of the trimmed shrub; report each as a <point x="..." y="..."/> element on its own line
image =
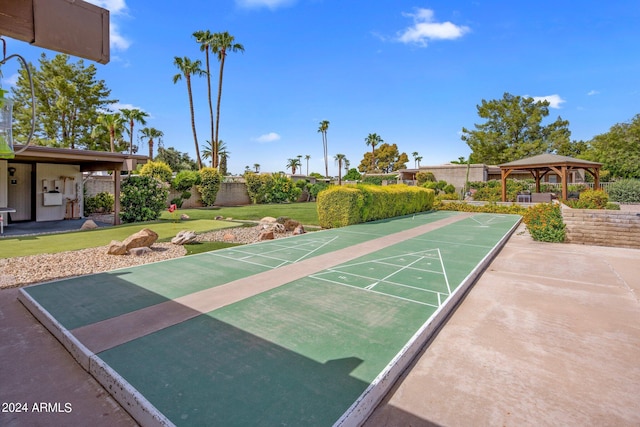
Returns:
<point x="544" y="222"/>
<point x="185" y="180"/>
<point x="590" y="199"/>
<point x="101" y="202"/>
<point x="377" y="179"/>
<point x="158" y="170"/>
<point x="142" y="198"/>
<point x="422" y="177"/>
<point x="210" y="180"/>
<point x="625" y="191"/>
<point x="271" y="188"/>
<point x="345" y="205"/>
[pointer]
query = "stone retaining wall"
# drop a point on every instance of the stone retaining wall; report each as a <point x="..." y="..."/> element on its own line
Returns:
<point x="602" y="227"/>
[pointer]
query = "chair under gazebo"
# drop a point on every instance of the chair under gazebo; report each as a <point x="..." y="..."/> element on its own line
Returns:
<point x="539" y="166"/>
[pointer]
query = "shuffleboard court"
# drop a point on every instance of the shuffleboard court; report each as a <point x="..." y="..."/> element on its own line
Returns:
<point x="309" y="330"/>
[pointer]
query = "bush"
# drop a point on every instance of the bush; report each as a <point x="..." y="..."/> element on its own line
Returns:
<point x="210" y="180"/>
<point x="185" y="180"/>
<point x="158" y="170"/>
<point x="352" y="175"/>
<point x="544" y="222"/>
<point x="377" y="179"/>
<point x="345" y="205"/>
<point x="271" y="188"/>
<point x="590" y="199"/>
<point x="316" y="188"/>
<point x="422" y="177"/>
<point x="625" y="191"/>
<point x="142" y="198"/>
<point x="491" y="191"/>
<point x="101" y="202"/>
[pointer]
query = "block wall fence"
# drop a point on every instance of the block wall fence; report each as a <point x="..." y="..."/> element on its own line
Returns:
<point x="602" y="227"/>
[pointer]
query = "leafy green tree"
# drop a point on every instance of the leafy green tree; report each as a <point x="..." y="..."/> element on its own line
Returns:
<point x="142" y="198"/>
<point x="352" y="175"/>
<point x="133" y="116"/>
<point x="206" y="40"/>
<point x="373" y="139"/>
<point x="618" y="150"/>
<point x="210" y="180"/>
<point x="69" y="100"/>
<point x="513" y="130"/>
<point x="222" y="43"/>
<point x="188" y="69"/>
<point x="324" y="126"/>
<point x="224" y="155"/>
<point x="159" y="170"/>
<point x="151" y="134"/>
<point x="176" y="160"/>
<point x="387" y="158"/>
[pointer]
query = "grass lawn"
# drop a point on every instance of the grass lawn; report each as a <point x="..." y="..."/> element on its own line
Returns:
<point x="200" y="220"/>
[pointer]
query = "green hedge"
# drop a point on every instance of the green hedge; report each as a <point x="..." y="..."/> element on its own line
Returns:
<point x="345" y="205"/>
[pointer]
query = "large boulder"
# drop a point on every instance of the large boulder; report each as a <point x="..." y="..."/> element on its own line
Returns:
<point x="89" y="225"/>
<point x="266" y="235"/>
<point x="268" y="220"/>
<point x="184" y="237"/>
<point x="144" y="237"/>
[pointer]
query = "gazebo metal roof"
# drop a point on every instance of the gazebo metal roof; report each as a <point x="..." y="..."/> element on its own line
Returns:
<point x="542" y="164"/>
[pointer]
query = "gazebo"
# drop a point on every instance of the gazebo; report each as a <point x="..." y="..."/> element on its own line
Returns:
<point x="542" y="164"/>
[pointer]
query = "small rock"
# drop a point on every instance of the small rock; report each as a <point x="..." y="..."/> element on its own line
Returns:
<point x="140" y="251"/>
<point x="266" y="235"/>
<point x="219" y="217"/>
<point x="116" y="248"/>
<point x="279" y="228"/>
<point x="229" y="237"/>
<point x="89" y="225"/>
<point x="184" y="216"/>
<point x="298" y="230"/>
<point x="291" y="224"/>
<point x="184" y="237"/>
<point x="268" y="220"/>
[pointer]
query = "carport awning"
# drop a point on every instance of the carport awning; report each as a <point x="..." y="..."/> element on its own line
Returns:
<point x="87" y="159"/>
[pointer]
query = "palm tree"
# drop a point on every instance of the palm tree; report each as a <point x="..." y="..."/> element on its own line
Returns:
<point x="347" y="164"/>
<point x="339" y="158"/>
<point x="415" y="157"/>
<point x="293" y="164"/>
<point x="190" y="68"/>
<point x="206" y="39"/>
<point x="324" y="125"/>
<point x="307" y="157"/>
<point x="373" y="139"/>
<point x="418" y="160"/>
<point x="112" y="124"/>
<point x="207" y="151"/>
<point x="221" y="43"/>
<point x="256" y="166"/>
<point x="134" y="115"/>
<point x="150" y="134"/>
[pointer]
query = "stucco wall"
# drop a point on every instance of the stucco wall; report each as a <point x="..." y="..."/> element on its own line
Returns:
<point x="602" y="227"/>
<point x="68" y="178"/>
<point x="457" y="174"/>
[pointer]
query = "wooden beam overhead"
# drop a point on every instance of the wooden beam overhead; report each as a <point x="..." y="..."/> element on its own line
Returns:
<point x="74" y="27"/>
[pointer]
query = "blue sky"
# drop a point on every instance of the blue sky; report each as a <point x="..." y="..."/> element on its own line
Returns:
<point x="411" y="71"/>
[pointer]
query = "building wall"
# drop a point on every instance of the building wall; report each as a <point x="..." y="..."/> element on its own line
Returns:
<point x="67" y="180"/>
<point x="457" y="174"/>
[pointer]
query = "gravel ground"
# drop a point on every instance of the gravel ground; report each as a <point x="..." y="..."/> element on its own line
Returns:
<point x="25" y="270"/>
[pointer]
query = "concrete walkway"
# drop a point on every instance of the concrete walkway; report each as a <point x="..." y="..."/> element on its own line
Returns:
<point x="550" y="335"/>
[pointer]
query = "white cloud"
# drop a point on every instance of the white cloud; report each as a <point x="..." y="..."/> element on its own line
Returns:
<point x="268" y="137"/>
<point x="424" y="29"/>
<point x="593" y="92"/>
<point x="271" y="4"/>
<point x="117" y="40"/>
<point x="554" y="100"/>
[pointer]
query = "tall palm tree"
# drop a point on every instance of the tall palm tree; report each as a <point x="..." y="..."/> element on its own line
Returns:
<point x="112" y="124"/>
<point x="415" y="157"/>
<point x="132" y="116"/>
<point x="190" y="68"/>
<point x="206" y="40"/>
<point x="339" y="158"/>
<point x="256" y="166"/>
<point x="150" y="134"/>
<point x="307" y="157"/>
<point x="221" y="44"/>
<point x="293" y="164"/>
<point x="418" y="160"/>
<point x="324" y="125"/>
<point x="373" y="139"/>
<point x="347" y="164"/>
